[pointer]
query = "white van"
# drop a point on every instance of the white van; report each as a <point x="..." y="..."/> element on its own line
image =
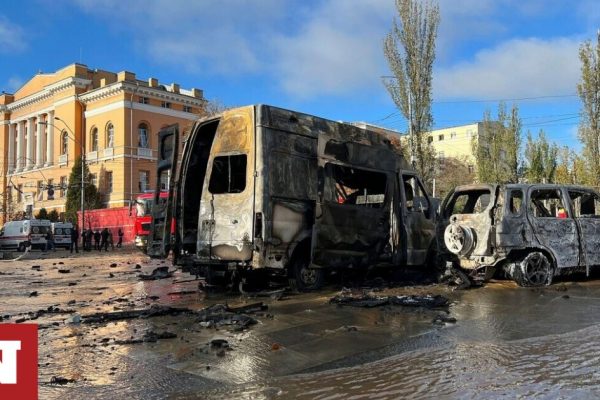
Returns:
<point x="62" y="234"/>
<point x="20" y="234"/>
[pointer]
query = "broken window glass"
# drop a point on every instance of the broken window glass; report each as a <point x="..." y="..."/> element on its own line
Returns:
<point x="353" y="186"/>
<point x="547" y="203"/>
<point x="585" y="204"/>
<point x="228" y="174"/>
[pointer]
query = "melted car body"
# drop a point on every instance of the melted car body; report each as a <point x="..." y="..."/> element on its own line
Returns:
<point x="530" y="231"/>
<point x="262" y="187"/>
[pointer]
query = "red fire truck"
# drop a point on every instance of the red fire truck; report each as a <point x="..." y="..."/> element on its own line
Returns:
<point x="143" y="217"/>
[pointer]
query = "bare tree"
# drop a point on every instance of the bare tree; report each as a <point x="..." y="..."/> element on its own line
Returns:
<point x="589" y="92"/>
<point x="410" y="52"/>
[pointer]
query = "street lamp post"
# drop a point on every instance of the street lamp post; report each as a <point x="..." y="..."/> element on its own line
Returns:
<point x="81" y="144"/>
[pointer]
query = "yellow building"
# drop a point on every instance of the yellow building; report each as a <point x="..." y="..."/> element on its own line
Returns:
<point x="456" y="142"/>
<point x="113" y="117"/>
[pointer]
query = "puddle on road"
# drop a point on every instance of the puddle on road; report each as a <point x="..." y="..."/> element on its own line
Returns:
<point x="523" y="342"/>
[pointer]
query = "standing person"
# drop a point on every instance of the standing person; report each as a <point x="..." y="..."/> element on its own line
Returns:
<point x="120" y="242"/>
<point x="110" y="239"/>
<point x="88" y="239"/>
<point x="104" y="243"/>
<point x="50" y="241"/>
<point x="97" y="237"/>
<point x="75" y="238"/>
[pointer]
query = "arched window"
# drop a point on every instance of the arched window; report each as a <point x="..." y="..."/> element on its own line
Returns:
<point x="143" y="135"/>
<point x="110" y="135"/>
<point x="94" y="139"/>
<point x="64" y="143"/>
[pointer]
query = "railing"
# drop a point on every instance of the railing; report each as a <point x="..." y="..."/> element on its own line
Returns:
<point x="62" y="159"/>
<point x="144" y="152"/>
<point x="109" y="152"/>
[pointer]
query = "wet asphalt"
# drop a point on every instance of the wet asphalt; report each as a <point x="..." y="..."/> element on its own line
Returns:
<point x="506" y="341"/>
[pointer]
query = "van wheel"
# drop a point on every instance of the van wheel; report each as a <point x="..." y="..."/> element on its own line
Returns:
<point x="302" y="278"/>
<point x="534" y="270"/>
<point x="21" y="247"/>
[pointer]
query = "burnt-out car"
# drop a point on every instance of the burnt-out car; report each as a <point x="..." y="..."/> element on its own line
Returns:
<point x="531" y="232"/>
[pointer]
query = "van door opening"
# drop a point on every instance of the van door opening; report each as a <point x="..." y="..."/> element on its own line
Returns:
<point x="193" y="172"/>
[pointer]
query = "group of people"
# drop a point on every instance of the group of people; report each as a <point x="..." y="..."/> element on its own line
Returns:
<point x="101" y="239"/>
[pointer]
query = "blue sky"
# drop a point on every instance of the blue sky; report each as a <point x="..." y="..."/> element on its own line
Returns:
<point x="322" y="57"/>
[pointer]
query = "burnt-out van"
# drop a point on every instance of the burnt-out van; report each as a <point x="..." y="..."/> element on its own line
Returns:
<point x="260" y="187"/>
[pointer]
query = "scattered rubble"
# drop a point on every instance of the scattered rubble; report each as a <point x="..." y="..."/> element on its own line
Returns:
<point x="149" y="337"/>
<point x="157" y="273"/>
<point x="64" y="271"/>
<point x="442" y="319"/>
<point x="153" y="311"/>
<point x="368" y="300"/>
<point x="59" y="380"/>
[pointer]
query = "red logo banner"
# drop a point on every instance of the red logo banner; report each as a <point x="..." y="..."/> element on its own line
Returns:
<point x="18" y="361"/>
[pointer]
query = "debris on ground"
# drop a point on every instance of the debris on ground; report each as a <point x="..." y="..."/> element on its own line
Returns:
<point x="442" y="319"/>
<point x="33" y="294"/>
<point x="113" y="265"/>
<point x="153" y="311"/>
<point x="455" y="277"/>
<point x="272" y="294"/>
<point x="367" y="299"/>
<point x="221" y="314"/>
<point x="149" y="337"/>
<point x="64" y="271"/>
<point x="157" y="273"/>
<point x="182" y="292"/>
<point x="36" y="267"/>
<point x="59" y="380"/>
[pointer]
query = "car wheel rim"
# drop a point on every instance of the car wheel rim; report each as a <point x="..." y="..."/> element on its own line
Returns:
<point x="536" y="269"/>
<point x="308" y="275"/>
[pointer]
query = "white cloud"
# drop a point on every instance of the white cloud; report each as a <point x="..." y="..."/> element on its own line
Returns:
<point x="225" y="37"/>
<point x="334" y="47"/>
<point x="516" y="68"/>
<point x="11" y="36"/>
<point x="338" y="50"/>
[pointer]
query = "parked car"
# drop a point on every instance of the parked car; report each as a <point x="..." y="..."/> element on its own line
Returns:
<point x="62" y="234"/>
<point x="260" y="187"/>
<point x="18" y="235"/>
<point x="532" y="232"/>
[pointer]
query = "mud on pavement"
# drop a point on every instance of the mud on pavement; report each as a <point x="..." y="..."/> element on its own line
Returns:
<point x="104" y="331"/>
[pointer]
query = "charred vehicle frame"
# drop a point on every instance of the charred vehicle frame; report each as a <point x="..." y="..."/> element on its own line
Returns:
<point x="531" y="232"/>
<point x="263" y="188"/>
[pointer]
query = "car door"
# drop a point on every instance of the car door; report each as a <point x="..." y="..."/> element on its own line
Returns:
<point x="352" y="214"/>
<point x="419" y="218"/>
<point x="586" y="210"/>
<point x="159" y="240"/>
<point x="226" y="216"/>
<point x="553" y="223"/>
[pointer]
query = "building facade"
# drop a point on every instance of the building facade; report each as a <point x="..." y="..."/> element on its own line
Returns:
<point x="112" y="118"/>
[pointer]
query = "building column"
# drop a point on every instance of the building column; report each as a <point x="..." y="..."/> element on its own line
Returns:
<point x="39" y="159"/>
<point x="50" y="138"/>
<point x="29" y="154"/>
<point x="19" y="160"/>
<point x="11" y="149"/>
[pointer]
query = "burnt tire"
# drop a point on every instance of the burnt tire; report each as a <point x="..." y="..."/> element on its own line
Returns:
<point x="302" y="278"/>
<point x="534" y="270"/>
